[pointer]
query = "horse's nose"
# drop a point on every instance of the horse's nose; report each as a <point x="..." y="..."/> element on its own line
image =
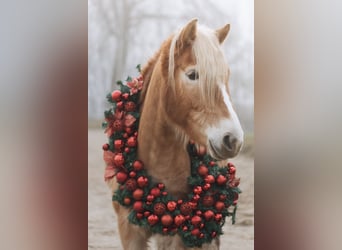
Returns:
<point x="231" y="143"/>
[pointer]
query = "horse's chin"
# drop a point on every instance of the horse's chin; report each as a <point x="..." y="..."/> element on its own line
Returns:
<point x="220" y="153"/>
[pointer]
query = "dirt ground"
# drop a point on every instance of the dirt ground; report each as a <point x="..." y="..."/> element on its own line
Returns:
<point x="102" y="230"/>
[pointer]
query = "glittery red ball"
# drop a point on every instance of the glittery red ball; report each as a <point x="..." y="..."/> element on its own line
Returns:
<point x="195" y="232"/>
<point x="138" y="194"/>
<point x="118" y="144"/>
<point x="119" y="160"/>
<point x="117" y="125"/>
<point x="140" y="216"/>
<point x="222" y="197"/>
<point x="219" y="205"/>
<point x="138" y="206"/>
<point x="179" y="220"/>
<point x="159" y="208"/>
<point x="127" y="201"/>
<point x="201" y="235"/>
<point x="206" y="186"/>
<point x="186" y="208"/>
<point x="121" y="177"/>
<point x="208" y="201"/>
<point x="167" y="220"/>
<point x="232" y="170"/>
<point x="128" y="130"/>
<point x="132" y="141"/>
<point x="131" y="184"/>
<point x="208" y="215"/>
<point x="196" y="220"/>
<point x="150" y="197"/>
<point x="130" y="106"/>
<point x="203" y="170"/>
<point x="161" y="186"/>
<point x="116" y="95"/>
<point x="209" y="179"/>
<point x="185" y="228"/>
<point x="142" y="181"/>
<point x="165" y="230"/>
<point x="105" y="147"/>
<point x="132" y="174"/>
<point x="197" y="190"/>
<point x="152" y="219"/>
<point x="171" y="205"/>
<point x="213" y="234"/>
<point x="138" y="165"/>
<point x="125" y="96"/>
<point x="218" y="217"/>
<point x="155" y="192"/>
<point x="119" y="105"/>
<point x="147" y="213"/>
<point x="221" y="180"/>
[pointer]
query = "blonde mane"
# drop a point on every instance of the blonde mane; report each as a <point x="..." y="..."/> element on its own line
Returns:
<point x="211" y="65"/>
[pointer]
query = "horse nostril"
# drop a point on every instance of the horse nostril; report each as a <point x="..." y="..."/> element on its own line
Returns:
<point x="227" y="141"/>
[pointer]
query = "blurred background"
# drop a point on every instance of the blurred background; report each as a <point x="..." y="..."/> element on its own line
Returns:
<point x="124" y="33"/>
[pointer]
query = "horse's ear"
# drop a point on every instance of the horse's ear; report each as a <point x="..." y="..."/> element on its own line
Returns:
<point x="222" y="32"/>
<point x="188" y="33"/>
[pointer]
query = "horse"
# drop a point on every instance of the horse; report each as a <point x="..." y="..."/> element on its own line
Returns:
<point x="185" y="97"/>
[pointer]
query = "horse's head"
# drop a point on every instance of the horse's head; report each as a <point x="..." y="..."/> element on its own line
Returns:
<point x="197" y="98"/>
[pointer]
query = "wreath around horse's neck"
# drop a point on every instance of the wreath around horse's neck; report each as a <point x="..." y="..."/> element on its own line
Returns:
<point x="214" y="191"/>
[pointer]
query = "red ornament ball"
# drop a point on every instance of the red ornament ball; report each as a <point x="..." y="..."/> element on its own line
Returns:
<point x="186" y="208"/>
<point x="203" y="170"/>
<point x="209" y="179"/>
<point x="131" y="184"/>
<point x="219" y="205"/>
<point x="125" y="96"/>
<point x="232" y="170"/>
<point x="206" y="186"/>
<point x="198" y="190"/>
<point x="132" y="174"/>
<point x="140" y="216"/>
<point x="208" y="201"/>
<point x="121" y="177"/>
<point x="179" y="220"/>
<point x="117" y="125"/>
<point x="221" y="180"/>
<point x="116" y="95"/>
<point x="159" y="208"/>
<point x="201" y="235"/>
<point x="105" y="146"/>
<point x="195" y="232"/>
<point x="138" y="165"/>
<point x="147" y="213"/>
<point x="119" y="160"/>
<point x="150" y="197"/>
<point x="165" y="230"/>
<point x="218" y="217"/>
<point x="208" y="215"/>
<point x="138" y="194"/>
<point x="127" y="201"/>
<point x="161" y="186"/>
<point x="196" y="220"/>
<point x="130" y="106"/>
<point x="119" y="105"/>
<point x="152" y="219"/>
<point x="185" y="228"/>
<point x="213" y="234"/>
<point x="132" y="141"/>
<point x="171" y="205"/>
<point x="222" y="197"/>
<point x="142" y="181"/>
<point x="118" y="144"/>
<point x="138" y="206"/>
<point x="155" y="192"/>
<point x="166" y="220"/>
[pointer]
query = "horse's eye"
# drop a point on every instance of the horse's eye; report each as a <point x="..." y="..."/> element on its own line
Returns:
<point x="193" y="75"/>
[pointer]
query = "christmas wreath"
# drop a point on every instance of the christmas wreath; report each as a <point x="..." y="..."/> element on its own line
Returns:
<point x="200" y="217"/>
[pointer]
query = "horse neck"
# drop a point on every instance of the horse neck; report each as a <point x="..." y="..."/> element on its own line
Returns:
<point x="160" y="147"/>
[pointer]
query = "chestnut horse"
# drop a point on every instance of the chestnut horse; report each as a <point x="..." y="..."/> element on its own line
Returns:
<point x="185" y="97"/>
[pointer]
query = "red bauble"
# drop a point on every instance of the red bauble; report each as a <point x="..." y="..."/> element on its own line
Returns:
<point x="208" y="201"/>
<point x="167" y="220"/>
<point x="208" y="215"/>
<point x="138" y="194"/>
<point x="147" y="213"/>
<point x="196" y="220"/>
<point x="105" y="147"/>
<point x="201" y="225"/>
<point x="221" y="180"/>
<point x="179" y="220"/>
<point x="222" y="197"/>
<point x="206" y="186"/>
<point x="127" y="201"/>
<point x="138" y="165"/>
<point x="213" y="234"/>
<point x="127" y="150"/>
<point x="152" y="219"/>
<point x="212" y="164"/>
<point x="119" y="105"/>
<point x="198" y="190"/>
<point x="179" y="202"/>
<point x="164" y="193"/>
<point x="199" y="212"/>
<point x="140" y="216"/>
<point x="232" y="170"/>
<point x="138" y="206"/>
<point x="119" y="160"/>
<point x="132" y="174"/>
<point x="201" y="235"/>
<point x="185" y="228"/>
<point x="218" y="217"/>
<point x="210" y="179"/>
<point x="150" y="197"/>
<point x="125" y="96"/>
<point x="219" y="205"/>
<point x="203" y="170"/>
<point x="171" y="205"/>
<point x="116" y="95"/>
<point x="186" y="208"/>
<point x="161" y="186"/>
<point x="165" y="230"/>
<point x="118" y="144"/>
<point x="155" y="192"/>
<point x="196" y="198"/>
<point x="142" y="181"/>
<point x="159" y="208"/>
<point x="117" y="125"/>
<point x="132" y="141"/>
<point x="195" y="232"/>
<point x="128" y="130"/>
<point x="121" y="177"/>
<point x="130" y="106"/>
<point x="131" y="184"/>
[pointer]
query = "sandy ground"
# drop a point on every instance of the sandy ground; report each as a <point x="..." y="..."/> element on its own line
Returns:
<point x="102" y="230"/>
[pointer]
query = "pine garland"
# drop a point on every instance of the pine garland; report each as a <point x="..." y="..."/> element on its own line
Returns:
<point x="200" y="217"/>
